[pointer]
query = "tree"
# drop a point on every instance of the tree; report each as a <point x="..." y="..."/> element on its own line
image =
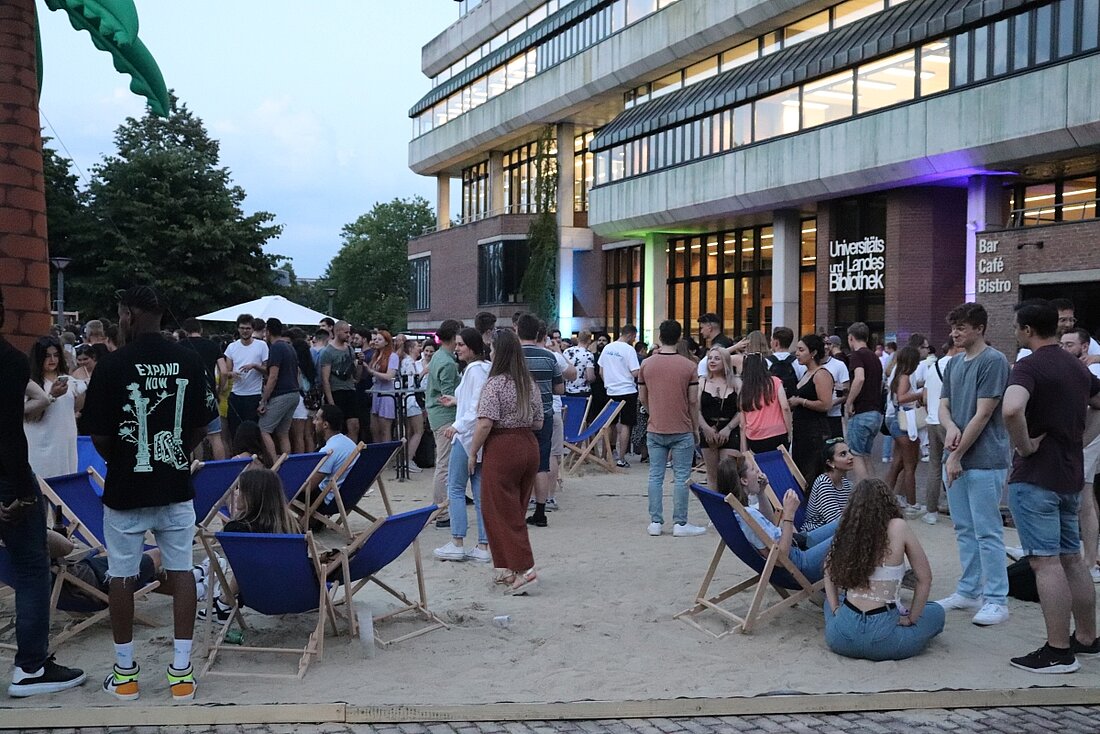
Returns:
<point x="66" y="204"/>
<point x="163" y="211"/>
<point x="540" y="282"/>
<point x="371" y="271"/>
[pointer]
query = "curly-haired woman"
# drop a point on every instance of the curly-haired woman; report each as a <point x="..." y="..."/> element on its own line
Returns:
<point x="863" y="573"/>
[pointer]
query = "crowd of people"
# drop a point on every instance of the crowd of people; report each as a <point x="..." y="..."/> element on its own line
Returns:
<point x="485" y="410"/>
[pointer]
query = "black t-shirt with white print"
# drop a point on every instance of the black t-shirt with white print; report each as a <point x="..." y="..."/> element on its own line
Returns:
<point x="147" y="397"/>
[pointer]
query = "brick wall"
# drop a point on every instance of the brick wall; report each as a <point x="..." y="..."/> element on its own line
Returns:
<point x="1067" y="247"/>
<point x="24" y="259"/>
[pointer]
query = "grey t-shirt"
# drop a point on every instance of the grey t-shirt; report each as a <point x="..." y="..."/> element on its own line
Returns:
<point x="341" y="376"/>
<point x="966" y="380"/>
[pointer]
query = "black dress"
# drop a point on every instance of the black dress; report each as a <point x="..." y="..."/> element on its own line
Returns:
<point x="811" y="430"/>
<point x="717" y="413"/>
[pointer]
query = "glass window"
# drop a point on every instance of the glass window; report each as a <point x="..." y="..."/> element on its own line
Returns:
<point x="618" y="162"/>
<point x="479" y="91"/>
<point x="1090" y="10"/>
<point x="935" y="63"/>
<point x="603" y="164"/>
<point x="516" y="70"/>
<point x="1021" y="39"/>
<point x="807" y="28"/>
<point x="743" y="54"/>
<point x="497" y="81"/>
<point x="1039" y="204"/>
<point x="420" y="271"/>
<point x="777" y="114"/>
<point x="618" y="16"/>
<point x="742" y="125"/>
<point x="885" y="82"/>
<point x="1043" y="27"/>
<point x="828" y="99"/>
<point x="536" y="16"/>
<point x="979" y="38"/>
<point x="498" y="40"/>
<point x="720" y="131"/>
<point x="767" y="237"/>
<point x="808" y="256"/>
<point x="807" y="304"/>
<point x="638" y="9"/>
<point x="500" y="267"/>
<point x="1066" y="27"/>
<point x="853" y="10"/>
<point x="703" y="70"/>
<point x="1079" y="198"/>
<point x="439" y="112"/>
<point x="770" y="43"/>
<point x="705" y="136"/>
<point x="666" y="84"/>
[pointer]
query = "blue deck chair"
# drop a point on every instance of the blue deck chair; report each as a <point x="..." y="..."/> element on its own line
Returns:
<point x="295" y="471"/>
<point x="79" y="498"/>
<point x="214" y="483"/>
<point x="360" y="473"/>
<point x="782" y="474"/>
<point x="275" y="574"/>
<point x="87" y="456"/>
<point x="378" y="547"/>
<point x="580" y="447"/>
<point x="776" y="570"/>
<point x="576" y="411"/>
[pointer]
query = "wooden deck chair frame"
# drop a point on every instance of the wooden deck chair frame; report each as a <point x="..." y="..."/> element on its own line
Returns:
<point x="350" y="589"/>
<point x="223" y="501"/>
<point x="576" y="455"/>
<point x="74" y="526"/>
<point x="342" y="525"/>
<point x="574" y="401"/>
<point x="293" y="495"/>
<point x="314" y="647"/>
<point x="758" y="583"/>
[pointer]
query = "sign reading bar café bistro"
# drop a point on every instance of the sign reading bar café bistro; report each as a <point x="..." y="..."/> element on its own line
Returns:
<point x="859" y="265"/>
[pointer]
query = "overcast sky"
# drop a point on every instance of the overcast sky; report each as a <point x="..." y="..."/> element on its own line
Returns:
<point x="310" y="100"/>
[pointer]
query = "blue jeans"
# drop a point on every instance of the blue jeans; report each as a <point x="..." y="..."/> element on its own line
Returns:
<point x="25" y="542"/>
<point x="1046" y="521"/>
<point x="682" y="448"/>
<point x="974" y="499"/>
<point x="811" y="562"/>
<point x="457" y="475"/>
<point x="862" y="429"/>
<point x="878" y="636"/>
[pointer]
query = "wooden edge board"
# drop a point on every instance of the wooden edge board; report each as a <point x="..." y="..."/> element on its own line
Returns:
<point x="795" y="703"/>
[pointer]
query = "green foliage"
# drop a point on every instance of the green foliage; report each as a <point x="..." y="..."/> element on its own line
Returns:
<point x="540" y="282"/>
<point x="163" y="211"/>
<point x="66" y="204"/>
<point x="371" y="271"/>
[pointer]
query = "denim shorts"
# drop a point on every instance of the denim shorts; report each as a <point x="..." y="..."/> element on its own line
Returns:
<point x="1046" y="521"/>
<point x="173" y="527"/>
<point x="862" y="429"/>
<point x="214" y="426"/>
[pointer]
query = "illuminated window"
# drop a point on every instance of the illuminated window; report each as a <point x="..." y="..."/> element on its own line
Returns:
<point x="827" y="99"/>
<point x="777" y="114"/>
<point x="886" y="82"/>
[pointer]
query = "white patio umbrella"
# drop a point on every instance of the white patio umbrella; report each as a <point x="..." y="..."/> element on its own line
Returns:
<point x="267" y="307"/>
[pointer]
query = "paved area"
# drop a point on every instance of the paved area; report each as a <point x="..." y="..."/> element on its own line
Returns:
<point x="1064" y="719"/>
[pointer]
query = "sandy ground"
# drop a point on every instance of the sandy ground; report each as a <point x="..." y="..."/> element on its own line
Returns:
<point x="600" y="627"/>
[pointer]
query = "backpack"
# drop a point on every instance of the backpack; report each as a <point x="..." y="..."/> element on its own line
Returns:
<point x="784" y="370"/>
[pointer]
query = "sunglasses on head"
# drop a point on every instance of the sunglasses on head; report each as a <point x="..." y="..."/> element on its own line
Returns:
<point x="833" y="441"/>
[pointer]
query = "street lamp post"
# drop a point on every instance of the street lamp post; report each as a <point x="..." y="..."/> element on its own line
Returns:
<point x="331" y="294"/>
<point x="60" y="263"/>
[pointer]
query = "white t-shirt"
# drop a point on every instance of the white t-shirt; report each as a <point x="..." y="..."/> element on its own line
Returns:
<point x="563" y="364"/>
<point x="251" y="382"/>
<point x="618" y="363"/>
<point x="839" y="371"/>
<point x="1094" y="350"/>
<point x="933" y="386"/>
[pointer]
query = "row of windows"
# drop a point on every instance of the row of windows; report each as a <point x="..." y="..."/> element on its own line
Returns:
<point x="1027" y="39"/>
<point x="475" y="191"/>
<point x="568" y="42"/>
<point x="759" y="47"/>
<point x="420" y="280"/>
<point x="868" y="87"/>
<point x="1061" y="200"/>
<point x="514" y="31"/>
<point x="625" y="275"/>
<point x="521" y="177"/>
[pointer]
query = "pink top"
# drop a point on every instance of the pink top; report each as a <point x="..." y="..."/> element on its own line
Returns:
<point x="768" y="421"/>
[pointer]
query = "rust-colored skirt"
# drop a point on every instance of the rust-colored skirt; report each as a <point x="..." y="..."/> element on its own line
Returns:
<point x="509" y="464"/>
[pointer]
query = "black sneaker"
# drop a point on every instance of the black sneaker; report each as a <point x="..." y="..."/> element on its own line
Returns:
<point x="1048" y="659"/>
<point x="539" y="521"/>
<point x="1079" y="648"/>
<point x="222" y="613"/>
<point x="444" y="523"/>
<point x="51" y="678"/>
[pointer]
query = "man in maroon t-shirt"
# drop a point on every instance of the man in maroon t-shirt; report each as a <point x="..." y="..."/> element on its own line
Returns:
<point x="863" y="405"/>
<point x="1044" y="412"/>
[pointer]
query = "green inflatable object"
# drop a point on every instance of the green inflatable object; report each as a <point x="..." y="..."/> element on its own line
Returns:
<point x="113" y="26"/>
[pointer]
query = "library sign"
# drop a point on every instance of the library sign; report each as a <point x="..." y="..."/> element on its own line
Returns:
<point x="857" y="266"/>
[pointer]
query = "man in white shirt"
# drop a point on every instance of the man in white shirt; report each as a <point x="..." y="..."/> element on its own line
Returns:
<point x="933" y="384"/>
<point x="619" y="366"/>
<point x="1074" y="341"/>
<point x="245" y="361"/>
<point x="841" y="378"/>
<point x="329" y="425"/>
<point x="1067" y="320"/>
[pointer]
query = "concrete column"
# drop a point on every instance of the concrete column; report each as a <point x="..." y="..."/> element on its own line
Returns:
<point x="655" y="285"/>
<point x="496" y="182"/>
<point x="566" y="133"/>
<point x="984" y="201"/>
<point x="565" y="290"/>
<point x="442" y="201"/>
<point x="786" y="256"/>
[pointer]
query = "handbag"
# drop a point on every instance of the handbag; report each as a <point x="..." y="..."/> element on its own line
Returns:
<point x="920" y="415"/>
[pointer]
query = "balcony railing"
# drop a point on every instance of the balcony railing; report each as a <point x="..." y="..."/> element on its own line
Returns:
<point x="1074" y="211"/>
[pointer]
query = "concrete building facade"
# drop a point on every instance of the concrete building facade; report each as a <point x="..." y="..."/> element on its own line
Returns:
<point x="806" y="164"/>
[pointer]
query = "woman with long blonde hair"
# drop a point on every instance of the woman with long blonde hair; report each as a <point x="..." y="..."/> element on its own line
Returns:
<point x="719" y="418"/>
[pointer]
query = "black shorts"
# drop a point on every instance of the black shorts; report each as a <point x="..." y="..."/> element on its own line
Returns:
<point x="628" y="416"/>
<point x="545" y="436"/>
<point x="348" y="403"/>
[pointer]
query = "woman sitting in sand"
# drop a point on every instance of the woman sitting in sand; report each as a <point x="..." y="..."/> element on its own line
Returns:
<point x="867" y="563"/>
<point x="830" y="491"/>
<point x="741" y="477"/>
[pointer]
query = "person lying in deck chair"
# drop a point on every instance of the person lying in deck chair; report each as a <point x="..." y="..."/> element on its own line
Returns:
<point x="93" y="570"/>
<point x="741" y="477"/>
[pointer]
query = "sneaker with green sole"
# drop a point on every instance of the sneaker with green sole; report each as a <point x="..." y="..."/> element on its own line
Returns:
<point x="182" y="683"/>
<point x="122" y="683"/>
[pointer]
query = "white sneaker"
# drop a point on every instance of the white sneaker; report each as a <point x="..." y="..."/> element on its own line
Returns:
<point x="912" y="512"/>
<point x="886" y="459"/>
<point x="991" y="614"/>
<point x="687" y="530"/>
<point x="1014" y="552"/>
<point x="551" y="504"/>
<point x="1095" y="573"/>
<point x="450" y="552"/>
<point x="414" y="468"/>
<point x="655" y="528"/>
<point x="479" y="555"/>
<point x="930" y="518"/>
<point x="958" y="601"/>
